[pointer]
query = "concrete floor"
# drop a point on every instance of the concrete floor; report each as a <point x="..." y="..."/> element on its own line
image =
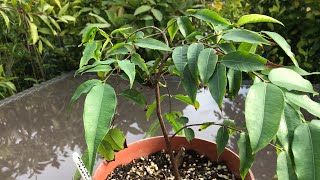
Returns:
<point x="38" y="135"/>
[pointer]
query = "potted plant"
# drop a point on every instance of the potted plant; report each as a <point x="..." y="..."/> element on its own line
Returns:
<point x="214" y="57"/>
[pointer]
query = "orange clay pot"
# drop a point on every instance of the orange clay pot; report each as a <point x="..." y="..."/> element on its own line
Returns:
<point x="149" y="146"/>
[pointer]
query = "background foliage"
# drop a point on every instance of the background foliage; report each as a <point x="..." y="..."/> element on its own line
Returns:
<point x="39" y="39"/>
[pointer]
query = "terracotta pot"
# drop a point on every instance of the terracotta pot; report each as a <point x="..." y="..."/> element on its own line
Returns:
<point x="149" y="146"/>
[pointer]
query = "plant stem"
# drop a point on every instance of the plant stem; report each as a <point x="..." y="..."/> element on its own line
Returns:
<point x="165" y="133"/>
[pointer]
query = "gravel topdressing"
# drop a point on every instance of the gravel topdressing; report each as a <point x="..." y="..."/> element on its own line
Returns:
<point x="157" y="166"/>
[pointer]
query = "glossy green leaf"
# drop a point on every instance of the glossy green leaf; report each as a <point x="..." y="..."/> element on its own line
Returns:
<point x="33" y="32"/>
<point x="210" y="16"/>
<point x="47" y="42"/>
<point x="99" y="109"/>
<point x="283" y="44"/>
<point x="222" y="139"/>
<point x="264" y="108"/>
<point x="205" y="126"/>
<point x="185" y="26"/>
<point x="305" y="102"/>
<point x="88" y="53"/>
<point x="301" y="71"/>
<point x="189" y="133"/>
<point x="120" y="30"/>
<point x="285" y="169"/>
<point x="182" y="120"/>
<point x="100" y="68"/>
<point x="192" y="55"/>
<point x="226" y="47"/>
<point x="207" y="62"/>
<point x="138" y="61"/>
<point x="106" y="151"/>
<point x="172" y="28"/>
<point x="189" y="84"/>
<point x="244" y="61"/>
<point x="235" y="82"/>
<point x="290" y="80"/>
<point x="141" y="9"/>
<point x="116" y="139"/>
<point x="251" y="48"/>
<point x="150" y="43"/>
<point x="58" y="3"/>
<point x="217" y="84"/>
<point x="179" y="57"/>
<point x="186" y="99"/>
<point x="135" y="96"/>
<point x="289" y="122"/>
<point x="171" y="118"/>
<point x="6" y="19"/>
<point x="98" y="18"/>
<point x="241" y="35"/>
<point x="306" y="151"/>
<point x="128" y="68"/>
<point x="152" y="107"/>
<point x="157" y="14"/>
<point x="245" y="154"/>
<point x="256" y="18"/>
<point x="83" y="88"/>
<point x="63" y="10"/>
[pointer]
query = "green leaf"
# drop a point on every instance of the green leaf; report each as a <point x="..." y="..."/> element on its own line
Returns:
<point x="106" y="151"/>
<point x="98" y="18"/>
<point x="153" y="129"/>
<point x="189" y="84"/>
<point x="205" y="125"/>
<point x="138" y="61"/>
<point x="189" y="133"/>
<point x="251" y="48"/>
<point x="264" y="107"/>
<point x="116" y="139"/>
<point x="256" y="18"/>
<point x="305" y="102"/>
<point x="99" y="109"/>
<point x="128" y="68"/>
<point x="289" y="122"/>
<point x="186" y="99"/>
<point x="283" y="44"/>
<point x="179" y="57"/>
<point x="241" y="35"/>
<point x="290" y="80"/>
<point x="245" y="154"/>
<point x="301" y="71"/>
<point x="185" y="26"/>
<point x="152" y="107"/>
<point x="217" y="84"/>
<point x="88" y="53"/>
<point x="83" y="88"/>
<point x="306" y="152"/>
<point x="172" y="28"/>
<point x="33" y="32"/>
<point x="135" y="96"/>
<point x="47" y="42"/>
<point x="120" y="30"/>
<point x="100" y="68"/>
<point x="226" y="47"/>
<point x="182" y="120"/>
<point x="285" y="169"/>
<point x="63" y="10"/>
<point x="171" y="118"/>
<point x="192" y="55"/>
<point x="150" y="43"/>
<point x="244" y="61"/>
<point x="235" y="81"/>
<point x="210" y="16"/>
<point x="141" y="9"/>
<point x="6" y="19"/>
<point x="58" y="3"/>
<point x="222" y="139"/>
<point x="207" y="62"/>
<point x="157" y="14"/>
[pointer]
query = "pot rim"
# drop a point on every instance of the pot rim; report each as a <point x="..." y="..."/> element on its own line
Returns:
<point x="104" y="164"/>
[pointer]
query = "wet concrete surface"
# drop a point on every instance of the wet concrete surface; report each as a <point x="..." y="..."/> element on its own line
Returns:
<point x="38" y="135"/>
